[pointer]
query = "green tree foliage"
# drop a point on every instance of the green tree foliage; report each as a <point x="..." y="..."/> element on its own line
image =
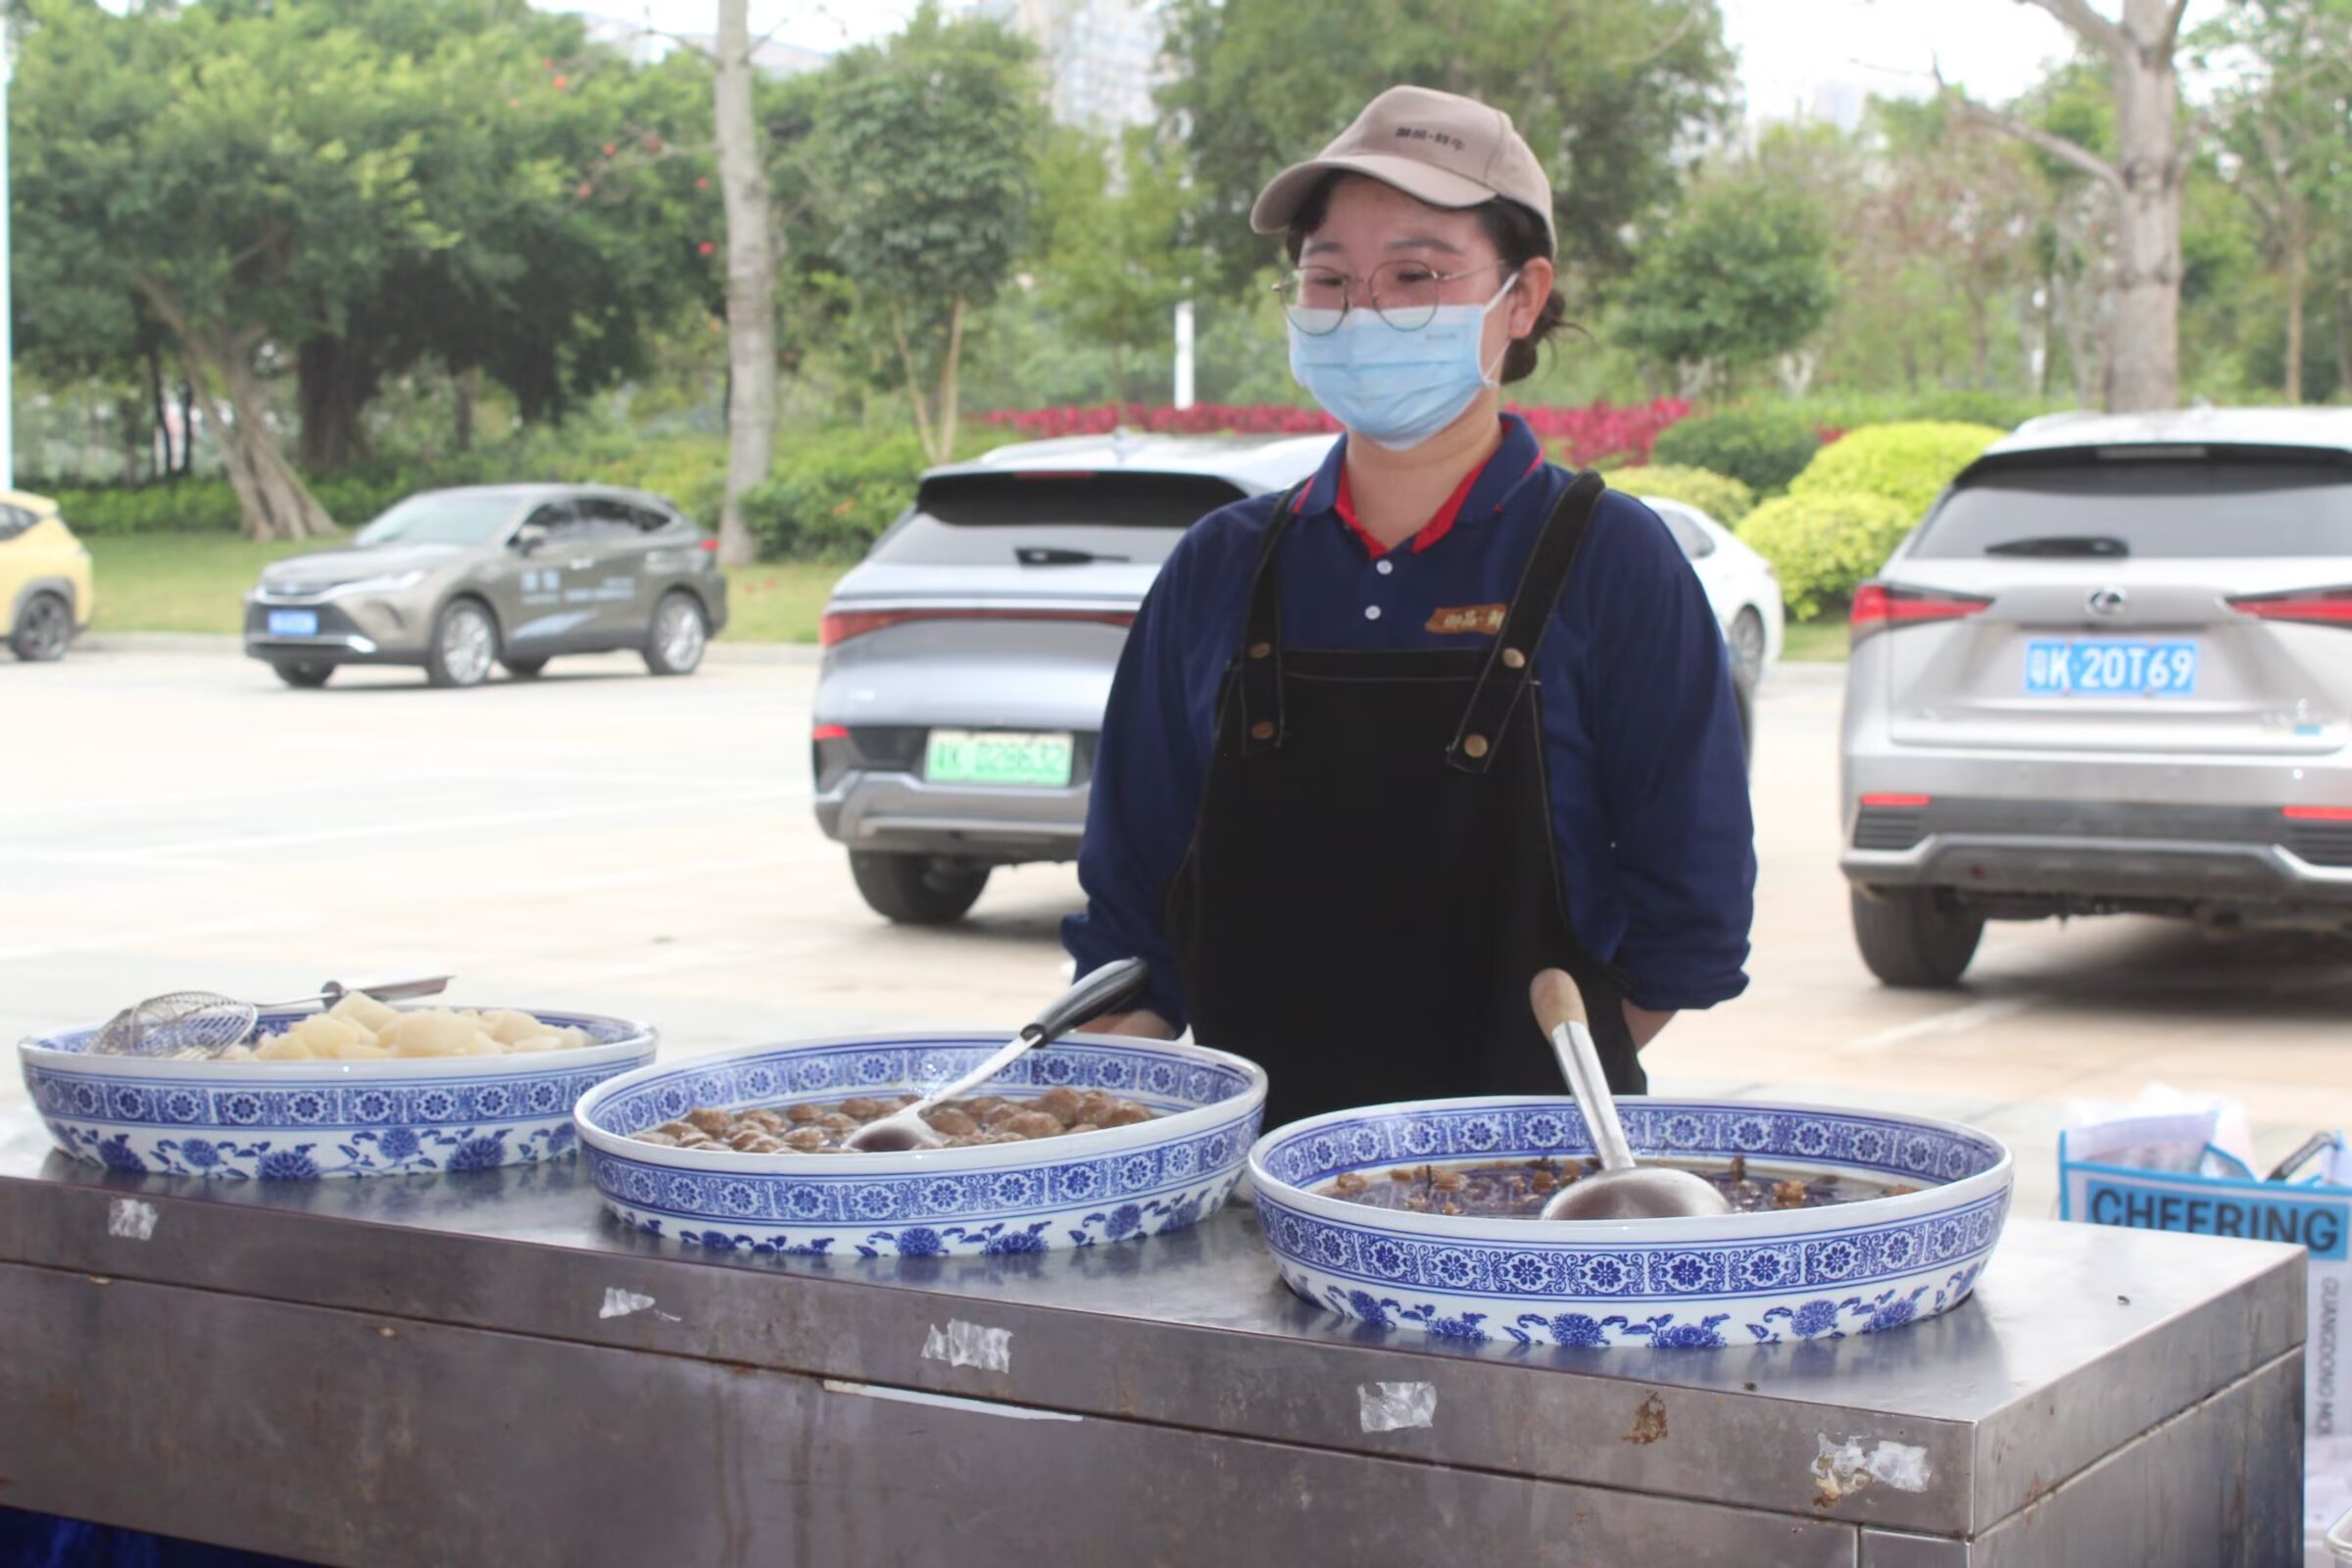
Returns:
<point x="1606" y="91"/>
<point x="1740" y="278"/>
<point x="1761" y="447"/>
<point x="1111" y="263"/>
<point x="1823" y="544"/>
<point x="1718" y="495"/>
<point x="1906" y="464"/>
<point x="927" y="143"/>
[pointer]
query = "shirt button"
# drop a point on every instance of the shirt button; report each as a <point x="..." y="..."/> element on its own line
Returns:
<point x="1371" y="612"/>
<point x="1384" y="567"/>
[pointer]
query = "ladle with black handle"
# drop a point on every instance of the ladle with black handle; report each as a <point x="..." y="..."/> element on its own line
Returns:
<point x="1106" y="990"/>
<point x="1621" y="1189"/>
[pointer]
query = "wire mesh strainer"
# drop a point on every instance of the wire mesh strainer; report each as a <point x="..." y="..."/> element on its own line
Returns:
<point x="196" y="1025"/>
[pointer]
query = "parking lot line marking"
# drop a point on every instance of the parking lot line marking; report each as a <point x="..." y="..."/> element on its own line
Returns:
<point x="541" y="816"/>
<point x="1959" y="1020"/>
<point x="280" y="921"/>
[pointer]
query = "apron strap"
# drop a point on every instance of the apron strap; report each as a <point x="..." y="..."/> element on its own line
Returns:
<point x="1258" y="665"/>
<point x="1512" y="662"/>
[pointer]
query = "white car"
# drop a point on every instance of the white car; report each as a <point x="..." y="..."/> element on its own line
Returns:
<point x="1741" y="586"/>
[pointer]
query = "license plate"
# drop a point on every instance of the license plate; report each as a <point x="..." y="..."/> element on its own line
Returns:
<point x="293" y="624"/>
<point x="997" y="756"/>
<point x="2110" y="666"/>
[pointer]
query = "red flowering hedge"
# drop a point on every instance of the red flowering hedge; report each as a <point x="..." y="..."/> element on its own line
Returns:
<point x="1574" y="435"/>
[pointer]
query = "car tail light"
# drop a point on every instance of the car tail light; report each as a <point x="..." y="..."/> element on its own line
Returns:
<point x="830" y="732"/>
<point x="1894" y="802"/>
<point x="2317" y="607"/>
<point x="709" y="547"/>
<point x="1878" y="607"/>
<point x="2317" y="813"/>
<point x="840" y="625"/>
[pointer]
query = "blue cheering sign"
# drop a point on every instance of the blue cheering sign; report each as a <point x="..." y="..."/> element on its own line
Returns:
<point x="2223" y="1210"/>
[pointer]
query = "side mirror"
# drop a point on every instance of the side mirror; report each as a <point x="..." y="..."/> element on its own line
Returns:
<point x="530" y="538"/>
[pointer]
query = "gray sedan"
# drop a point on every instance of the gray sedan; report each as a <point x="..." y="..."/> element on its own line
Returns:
<point x="453" y="581"/>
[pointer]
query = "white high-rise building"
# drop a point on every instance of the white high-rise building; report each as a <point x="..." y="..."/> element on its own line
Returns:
<point x="1103" y="56"/>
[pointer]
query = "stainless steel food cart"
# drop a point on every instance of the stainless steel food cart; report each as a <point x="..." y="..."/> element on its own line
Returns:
<point x="484" y="1368"/>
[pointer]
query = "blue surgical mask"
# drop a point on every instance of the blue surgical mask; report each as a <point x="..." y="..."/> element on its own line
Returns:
<point x="1395" y="388"/>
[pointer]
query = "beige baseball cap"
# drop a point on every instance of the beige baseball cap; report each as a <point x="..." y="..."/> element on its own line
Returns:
<point x="1437" y="147"/>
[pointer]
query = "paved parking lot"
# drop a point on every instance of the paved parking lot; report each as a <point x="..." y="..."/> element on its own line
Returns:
<point x="172" y="817"/>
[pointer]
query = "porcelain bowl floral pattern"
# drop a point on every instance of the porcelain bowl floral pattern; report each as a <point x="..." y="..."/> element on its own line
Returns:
<point x="1076" y="1191"/>
<point x="1735" y="1279"/>
<point x="299" y="1120"/>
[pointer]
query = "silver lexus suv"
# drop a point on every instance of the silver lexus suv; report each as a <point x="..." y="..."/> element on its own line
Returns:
<point x="2111" y="671"/>
<point x="453" y="581"/>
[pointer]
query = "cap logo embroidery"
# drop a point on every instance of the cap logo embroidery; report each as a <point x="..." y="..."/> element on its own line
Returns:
<point x="1482" y="619"/>
<point x="1416" y="133"/>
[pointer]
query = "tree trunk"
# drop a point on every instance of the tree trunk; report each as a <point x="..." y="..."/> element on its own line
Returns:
<point x="2143" y="353"/>
<point x="946" y="383"/>
<point x="161" y="463"/>
<point x="751" y="280"/>
<point x="462" y="388"/>
<point x="274" y="502"/>
<point x="2343" y="340"/>
<point x="187" y="429"/>
<point x="2298" y="272"/>
<point x="334" y="384"/>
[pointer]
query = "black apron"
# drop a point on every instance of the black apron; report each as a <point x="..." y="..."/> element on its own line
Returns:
<point x="1373" y="881"/>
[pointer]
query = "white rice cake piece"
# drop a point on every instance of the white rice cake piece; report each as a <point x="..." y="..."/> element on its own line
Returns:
<point x="288" y="1047"/>
<point x="433" y="1033"/>
<point x="511" y="1028"/>
<point x="363" y="1012"/>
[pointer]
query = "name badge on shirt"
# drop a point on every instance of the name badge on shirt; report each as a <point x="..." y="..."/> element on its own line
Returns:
<point x="1481" y="619"/>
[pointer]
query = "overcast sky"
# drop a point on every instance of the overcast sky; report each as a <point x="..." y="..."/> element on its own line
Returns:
<point x="1995" y="48"/>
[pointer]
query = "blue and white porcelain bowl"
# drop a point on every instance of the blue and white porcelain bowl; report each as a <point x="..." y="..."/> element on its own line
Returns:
<point x="296" y="1120"/>
<point x="1077" y="1191"/>
<point x="1735" y="1279"/>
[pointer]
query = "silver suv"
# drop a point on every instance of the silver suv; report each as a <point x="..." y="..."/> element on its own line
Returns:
<point x="2111" y="671"/>
<point x="453" y="581"/>
<point x="969" y="660"/>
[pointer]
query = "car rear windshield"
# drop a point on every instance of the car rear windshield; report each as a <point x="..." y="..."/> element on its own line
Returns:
<point x="982" y="518"/>
<point x="2201" y="502"/>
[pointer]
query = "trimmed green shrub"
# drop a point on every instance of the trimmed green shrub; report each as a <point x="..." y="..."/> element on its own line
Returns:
<point x="188" y="506"/>
<point x="830" y="499"/>
<point x="1823" y="543"/>
<point x="1761" y="447"/>
<point x="1719" y="496"/>
<point x="1907" y="463"/>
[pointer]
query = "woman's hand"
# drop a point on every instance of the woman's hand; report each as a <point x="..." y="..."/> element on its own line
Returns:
<point x="1645" y="1023"/>
<point x="1141" y="1023"/>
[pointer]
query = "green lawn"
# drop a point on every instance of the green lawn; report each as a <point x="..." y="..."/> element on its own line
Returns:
<point x="197" y="582"/>
<point x="1814" y="642"/>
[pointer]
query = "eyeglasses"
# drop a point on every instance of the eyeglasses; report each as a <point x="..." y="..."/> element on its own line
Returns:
<point x="1404" y="294"/>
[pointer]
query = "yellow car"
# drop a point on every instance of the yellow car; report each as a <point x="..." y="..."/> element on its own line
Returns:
<point x="44" y="577"/>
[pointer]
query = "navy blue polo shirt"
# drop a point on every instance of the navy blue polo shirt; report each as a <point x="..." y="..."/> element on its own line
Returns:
<point x="1641" y="732"/>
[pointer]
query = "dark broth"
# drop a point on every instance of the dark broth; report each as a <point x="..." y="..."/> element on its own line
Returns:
<point x="1516" y="1188"/>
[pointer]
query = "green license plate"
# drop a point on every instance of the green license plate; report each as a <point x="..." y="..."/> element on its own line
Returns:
<point x="997" y="756"/>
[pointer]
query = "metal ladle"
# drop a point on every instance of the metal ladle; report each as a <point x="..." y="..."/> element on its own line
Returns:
<point x="1106" y="990"/>
<point x="1621" y="1189"/>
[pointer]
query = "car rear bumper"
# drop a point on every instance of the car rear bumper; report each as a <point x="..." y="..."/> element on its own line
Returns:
<point x="2085" y="854"/>
<point x="900" y="812"/>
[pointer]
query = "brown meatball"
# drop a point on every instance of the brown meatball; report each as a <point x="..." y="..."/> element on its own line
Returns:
<point x="1127" y="1114"/>
<point x="980" y="1104"/>
<point x="1030" y="1125"/>
<point x="998" y="1114"/>
<point x="761" y="1143"/>
<point x="948" y="1122"/>
<point x="744" y="1137"/>
<point x="861" y="1108"/>
<point x="807" y="1139"/>
<point x="833" y="1121"/>
<point x="1059" y="1104"/>
<point x="803" y="1112"/>
<point x="1082" y="1127"/>
<point x="715" y="1123"/>
<point x="667" y="1140"/>
<point x="1097" y="1107"/>
<point x="1787" y="1194"/>
<point x="677" y="1129"/>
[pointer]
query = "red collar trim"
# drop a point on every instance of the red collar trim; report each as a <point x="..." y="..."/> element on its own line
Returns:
<point x="1440" y="523"/>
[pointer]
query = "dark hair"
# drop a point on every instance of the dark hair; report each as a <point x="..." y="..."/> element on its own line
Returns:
<point x="1517" y="235"/>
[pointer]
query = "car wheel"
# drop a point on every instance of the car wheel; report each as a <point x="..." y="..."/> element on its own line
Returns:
<point x="465" y="646"/>
<point x="1915" y="937"/>
<point x="525" y="669"/>
<point x="679" y="634"/>
<point x="308" y="674"/>
<point x="1746" y="640"/>
<point x="44" y="626"/>
<point x="917" y="889"/>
